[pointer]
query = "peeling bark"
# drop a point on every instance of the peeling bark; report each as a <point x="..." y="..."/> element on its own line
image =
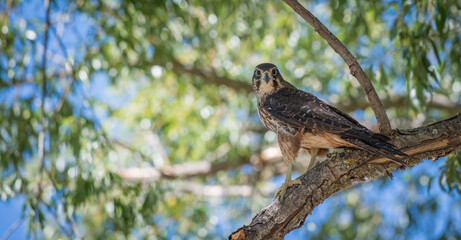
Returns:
<point x="342" y="170"/>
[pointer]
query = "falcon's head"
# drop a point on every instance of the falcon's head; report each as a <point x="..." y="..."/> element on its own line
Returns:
<point x="267" y="79"/>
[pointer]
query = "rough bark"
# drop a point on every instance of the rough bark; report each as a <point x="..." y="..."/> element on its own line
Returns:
<point x="354" y="66"/>
<point x="344" y="169"/>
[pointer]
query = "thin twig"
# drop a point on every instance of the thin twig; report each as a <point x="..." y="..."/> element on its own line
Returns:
<point x="45" y="48"/>
<point x="13" y="228"/>
<point x="60" y="227"/>
<point x="211" y="77"/>
<point x="41" y="135"/>
<point x="131" y="149"/>
<point x="72" y="74"/>
<point x="354" y="66"/>
<point x="73" y="227"/>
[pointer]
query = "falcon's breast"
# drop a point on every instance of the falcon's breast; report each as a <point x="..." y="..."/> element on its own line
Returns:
<point x="274" y="124"/>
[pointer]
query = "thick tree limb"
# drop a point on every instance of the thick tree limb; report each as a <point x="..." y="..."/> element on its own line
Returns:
<point x="340" y="171"/>
<point x="354" y="66"/>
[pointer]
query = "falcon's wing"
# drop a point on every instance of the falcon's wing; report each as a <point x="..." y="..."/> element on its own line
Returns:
<point x="304" y="110"/>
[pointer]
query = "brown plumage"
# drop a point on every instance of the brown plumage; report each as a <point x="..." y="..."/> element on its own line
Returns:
<point x="301" y="120"/>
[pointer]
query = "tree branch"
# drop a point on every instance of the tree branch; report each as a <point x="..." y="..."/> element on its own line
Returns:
<point x="43" y="123"/>
<point x="354" y="66"/>
<point x="216" y="190"/>
<point x="212" y="77"/>
<point x="71" y="74"/>
<point x="12" y="228"/>
<point x="41" y="135"/>
<point x="438" y="102"/>
<point x="341" y="171"/>
<point x="348" y="105"/>
<point x="195" y="169"/>
<point x="42" y="114"/>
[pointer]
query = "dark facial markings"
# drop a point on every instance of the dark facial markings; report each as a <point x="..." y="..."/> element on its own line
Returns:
<point x="275" y="83"/>
<point x="256" y="79"/>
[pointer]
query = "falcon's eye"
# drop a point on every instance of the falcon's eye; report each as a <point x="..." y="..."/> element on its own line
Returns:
<point x="274" y="72"/>
<point x="258" y="73"/>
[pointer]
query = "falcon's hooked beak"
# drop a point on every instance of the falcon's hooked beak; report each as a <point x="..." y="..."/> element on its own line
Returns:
<point x="266" y="77"/>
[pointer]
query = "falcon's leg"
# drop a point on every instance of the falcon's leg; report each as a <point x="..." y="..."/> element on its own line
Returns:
<point x="288" y="182"/>
<point x="313" y="159"/>
<point x="312" y="162"/>
<point x="289" y="146"/>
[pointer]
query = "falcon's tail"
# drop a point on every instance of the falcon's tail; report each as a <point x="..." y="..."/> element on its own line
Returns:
<point x="380" y="148"/>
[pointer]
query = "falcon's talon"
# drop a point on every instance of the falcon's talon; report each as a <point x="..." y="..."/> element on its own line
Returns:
<point x="288" y="183"/>
<point x="282" y="189"/>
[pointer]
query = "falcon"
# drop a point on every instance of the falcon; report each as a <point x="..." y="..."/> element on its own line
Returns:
<point x="302" y="121"/>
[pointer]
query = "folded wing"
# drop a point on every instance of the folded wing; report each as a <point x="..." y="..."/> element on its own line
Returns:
<point x="304" y="110"/>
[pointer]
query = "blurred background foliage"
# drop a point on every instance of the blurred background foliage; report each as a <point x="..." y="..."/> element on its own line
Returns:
<point x="161" y="85"/>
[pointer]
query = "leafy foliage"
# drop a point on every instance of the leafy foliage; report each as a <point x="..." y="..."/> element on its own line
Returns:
<point x="451" y="175"/>
<point x="159" y="83"/>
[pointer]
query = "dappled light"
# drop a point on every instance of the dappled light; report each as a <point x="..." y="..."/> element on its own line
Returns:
<point x="138" y="119"/>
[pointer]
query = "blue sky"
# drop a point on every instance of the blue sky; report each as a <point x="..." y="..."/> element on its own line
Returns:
<point x="395" y="193"/>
